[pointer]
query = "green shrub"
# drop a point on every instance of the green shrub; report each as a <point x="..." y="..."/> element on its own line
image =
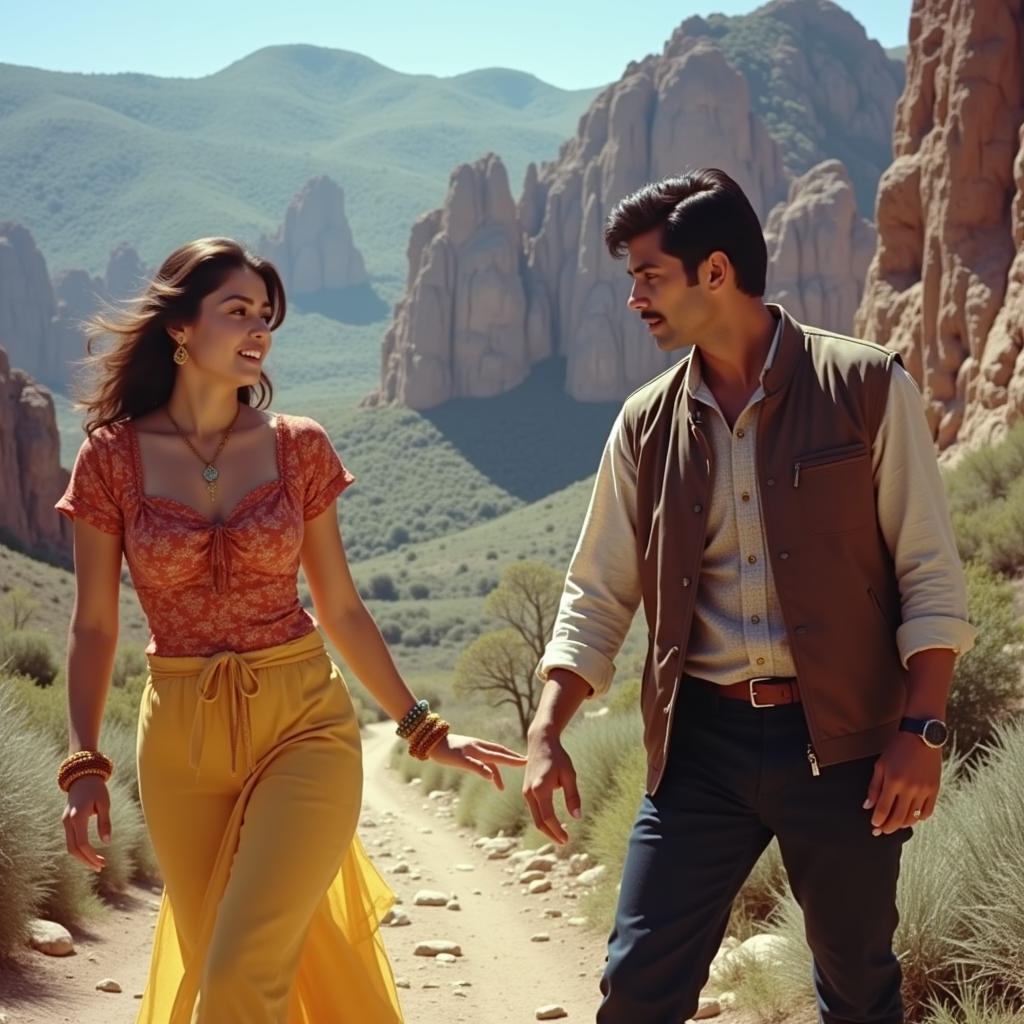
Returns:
<point x="31" y="837"/>
<point x="987" y="685"/>
<point x="28" y="653"/>
<point x="129" y="664"/>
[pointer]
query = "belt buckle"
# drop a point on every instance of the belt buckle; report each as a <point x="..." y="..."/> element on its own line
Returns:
<point x="753" y="699"/>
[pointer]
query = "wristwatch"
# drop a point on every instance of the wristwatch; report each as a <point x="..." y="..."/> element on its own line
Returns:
<point x="933" y="731"/>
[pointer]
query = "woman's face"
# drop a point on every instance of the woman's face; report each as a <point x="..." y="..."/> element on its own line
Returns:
<point x="230" y="339"/>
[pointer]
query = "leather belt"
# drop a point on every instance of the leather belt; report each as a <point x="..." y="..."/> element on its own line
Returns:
<point x="759" y="692"/>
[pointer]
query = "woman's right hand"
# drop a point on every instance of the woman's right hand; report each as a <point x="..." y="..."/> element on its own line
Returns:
<point x="87" y="796"/>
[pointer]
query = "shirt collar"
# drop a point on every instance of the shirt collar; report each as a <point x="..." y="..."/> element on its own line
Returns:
<point x="695" y="380"/>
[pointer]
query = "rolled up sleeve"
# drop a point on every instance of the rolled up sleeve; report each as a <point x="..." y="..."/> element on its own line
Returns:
<point x="914" y="519"/>
<point x="602" y="586"/>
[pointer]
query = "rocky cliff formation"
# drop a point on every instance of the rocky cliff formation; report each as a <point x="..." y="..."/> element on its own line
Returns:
<point x="946" y="286"/>
<point x="460" y="329"/>
<point x="31" y="477"/>
<point x="819" y="249"/>
<point x="313" y="249"/>
<point x="692" y="105"/>
<point x="40" y="319"/>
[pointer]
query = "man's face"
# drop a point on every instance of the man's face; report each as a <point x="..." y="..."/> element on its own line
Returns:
<point x="674" y="311"/>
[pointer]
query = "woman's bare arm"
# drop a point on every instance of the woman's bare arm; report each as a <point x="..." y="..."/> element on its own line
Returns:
<point x="348" y="623"/>
<point x="92" y="641"/>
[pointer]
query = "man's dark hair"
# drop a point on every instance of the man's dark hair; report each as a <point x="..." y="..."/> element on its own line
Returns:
<point x="700" y="212"/>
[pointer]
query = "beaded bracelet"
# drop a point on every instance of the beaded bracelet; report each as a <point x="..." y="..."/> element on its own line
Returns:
<point x="428" y="741"/>
<point x="423" y="726"/>
<point x="82" y="763"/>
<point x="415" y="714"/>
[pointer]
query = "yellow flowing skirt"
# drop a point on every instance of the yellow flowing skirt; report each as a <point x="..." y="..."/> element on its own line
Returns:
<point x="250" y="775"/>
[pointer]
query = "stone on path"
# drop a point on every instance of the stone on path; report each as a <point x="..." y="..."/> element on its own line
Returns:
<point x="395" y="918"/>
<point x="453" y="905"/>
<point x="435" y="946"/>
<point x="541" y="885"/>
<point x="591" y="876"/>
<point x="50" y="938"/>
<point x="465" y="867"/>
<point x="540" y="937"/>
<point x="446" y="958"/>
<point x="553" y="1012"/>
<point x="402" y="983"/>
<point x="431" y="898"/>
<point x="544" y="863"/>
<point x="707" y="1008"/>
<point x="107" y="985"/>
<point x="580" y="862"/>
<point x="531" y="876"/>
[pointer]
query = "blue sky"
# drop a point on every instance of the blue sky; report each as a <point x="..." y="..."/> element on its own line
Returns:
<point x="570" y="43"/>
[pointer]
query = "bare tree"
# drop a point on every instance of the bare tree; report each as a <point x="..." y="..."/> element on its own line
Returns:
<point x="502" y="663"/>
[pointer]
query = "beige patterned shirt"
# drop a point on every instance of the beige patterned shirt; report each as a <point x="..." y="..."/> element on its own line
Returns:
<point x="738" y="630"/>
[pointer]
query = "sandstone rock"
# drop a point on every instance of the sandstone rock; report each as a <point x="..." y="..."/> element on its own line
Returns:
<point x="540" y="937"/>
<point x="50" y="938"/>
<point x="313" y="249"/>
<point x="446" y="958"/>
<point x="395" y="918"/>
<point x="551" y="1012"/>
<point x="453" y="905"/>
<point x="707" y="1008"/>
<point x="31" y="477"/>
<point x="531" y="876"/>
<point x="436" y="946"/>
<point x="592" y="876"/>
<point x="819" y="249"/>
<point x="431" y="898"/>
<point x="108" y="985"/>
<point x="580" y="862"/>
<point x="540" y="886"/>
<point x="546" y="862"/>
<point x="705" y="100"/>
<point x="945" y="286"/>
<point x="460" y="330"/>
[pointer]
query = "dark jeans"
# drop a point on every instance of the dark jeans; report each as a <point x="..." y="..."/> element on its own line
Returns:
<point x="736" y="776"/>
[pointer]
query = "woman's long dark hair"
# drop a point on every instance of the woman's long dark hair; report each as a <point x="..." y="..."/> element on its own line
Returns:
<point x="133" y="372"/>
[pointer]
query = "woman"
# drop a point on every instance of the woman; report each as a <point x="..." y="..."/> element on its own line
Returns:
<point x="248" y="747"/>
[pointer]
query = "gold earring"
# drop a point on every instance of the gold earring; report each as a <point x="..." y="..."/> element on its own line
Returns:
<point x="181" y="354"/>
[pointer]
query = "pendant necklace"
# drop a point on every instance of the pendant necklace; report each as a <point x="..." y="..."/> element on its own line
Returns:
<point x="210" y="471"/>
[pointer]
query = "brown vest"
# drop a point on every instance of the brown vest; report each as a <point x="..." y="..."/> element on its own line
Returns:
<point x="825" y="396"/>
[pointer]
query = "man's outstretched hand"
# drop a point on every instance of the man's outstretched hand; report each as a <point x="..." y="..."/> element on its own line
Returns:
<point x="548" y="769"/>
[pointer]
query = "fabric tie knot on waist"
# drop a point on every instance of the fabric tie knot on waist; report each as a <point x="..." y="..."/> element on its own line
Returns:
<point x="226" y="676"/>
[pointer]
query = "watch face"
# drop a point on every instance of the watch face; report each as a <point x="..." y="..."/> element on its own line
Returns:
<point x="935" y="733"/>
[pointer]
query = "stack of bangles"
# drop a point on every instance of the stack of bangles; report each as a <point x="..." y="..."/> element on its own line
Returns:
<point x="82" y="763"/>
<point x="423" y="728"/>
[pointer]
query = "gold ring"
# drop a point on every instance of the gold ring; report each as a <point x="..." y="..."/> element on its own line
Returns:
<point x="917" y="813"/>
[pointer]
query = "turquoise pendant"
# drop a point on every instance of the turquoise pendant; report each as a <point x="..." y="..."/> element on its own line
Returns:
<point x="210" y="474"/>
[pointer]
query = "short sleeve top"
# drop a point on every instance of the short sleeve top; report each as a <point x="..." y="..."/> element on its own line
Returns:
<point x="209" y="587"/>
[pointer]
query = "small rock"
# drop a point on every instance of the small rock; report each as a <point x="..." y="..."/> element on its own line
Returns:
<point x="402" y="983"/>
<point x="50" y="938"/>
<point x="435" y="946"/>
<point x="446" y="958"/>
<point x="576" y="922"/>
<point x="437" y="794"/>
<point x="431" y="898"/>
<point x="462" y="995"/>
<point x="453" y="905"/>
<point x="707" y="1008"/>
<point x="579" y="862"/>
<point x="546" y="849"/>
<point x="531" y="876"/>
<point x="401" y="868"/>
<point x="107" y="985"/>
<point x="465" y="867"/>
<point x="540" y="937"/>
<point x="430" y="984"/>
<point x="543" y="863"/>
<point x="591" y="876"/>
<point x="395" y="918"/>
<point x="553" y="1012"/>
<point x="541" y="885"/>
<point x="727" y="1000"/>
<point x="462" y="984"/>
<point x="551" y="912"/>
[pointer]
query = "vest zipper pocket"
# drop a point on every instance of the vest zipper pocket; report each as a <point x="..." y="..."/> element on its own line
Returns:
<point x="830" y="458"/>
<point x="812" y="760"/>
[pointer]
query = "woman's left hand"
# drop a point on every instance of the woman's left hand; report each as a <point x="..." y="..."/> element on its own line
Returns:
<point x="473" y="755"/>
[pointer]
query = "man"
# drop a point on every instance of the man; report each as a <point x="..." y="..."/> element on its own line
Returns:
<point x="774" y="501"/>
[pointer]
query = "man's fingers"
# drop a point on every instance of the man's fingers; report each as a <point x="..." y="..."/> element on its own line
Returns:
<point x="883" y="808"/>
<point x="875" y="786"/>
<point x="544" y="816"/>
<point x="898" y="815"/>
<point x="927" y="809"/>
<point x="496" y="752"/>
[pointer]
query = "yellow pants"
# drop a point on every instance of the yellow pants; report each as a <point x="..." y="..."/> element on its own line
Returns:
<point x="250" y="773"/>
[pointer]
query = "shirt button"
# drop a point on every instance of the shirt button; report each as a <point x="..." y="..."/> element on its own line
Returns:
<point x="745" y="496"/>
<point x="673" y="652"/>
<point x="698" y="508"/>
<point x="686" y="581"/>
<point x="755" y="619"/>
<point x="760" y="661"/>
<point x="741" y="432"/>
<point x="770" y="481"/>
<point x="800" y="630"/>
<point x="751" y="559"/>
<point x="783" y="555"/>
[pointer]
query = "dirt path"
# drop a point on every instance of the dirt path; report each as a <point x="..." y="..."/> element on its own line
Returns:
<point x="508" y="974"/>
